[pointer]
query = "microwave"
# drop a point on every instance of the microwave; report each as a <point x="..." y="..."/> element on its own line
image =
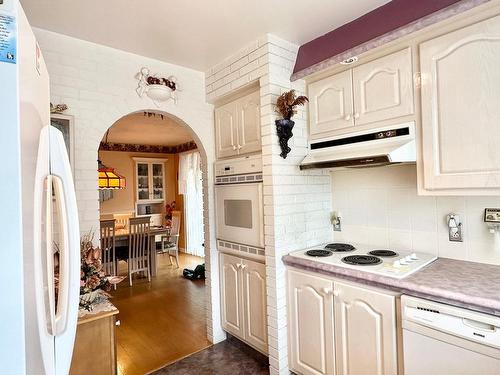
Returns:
<point x="239" y="201"/>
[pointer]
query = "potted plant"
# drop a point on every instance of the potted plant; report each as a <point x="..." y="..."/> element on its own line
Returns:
<point x="169" y="209"/>
<point x="286" y="105"/>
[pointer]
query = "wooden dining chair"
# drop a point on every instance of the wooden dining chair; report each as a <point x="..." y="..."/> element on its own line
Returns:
<point x="108" y="251"/>
<point x="139" y="247"/>
<point x="170" y="242"/>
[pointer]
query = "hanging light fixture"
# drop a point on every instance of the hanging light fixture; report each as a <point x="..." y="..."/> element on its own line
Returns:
<point x="109" y="179"/>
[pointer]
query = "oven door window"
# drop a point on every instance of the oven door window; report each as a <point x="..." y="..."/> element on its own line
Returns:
<point x="238" y="213"/>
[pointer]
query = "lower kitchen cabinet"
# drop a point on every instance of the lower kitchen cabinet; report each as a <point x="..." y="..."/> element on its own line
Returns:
<point x="310" y="324"/>
<point x="340" y="328"/>
<point x="243" y="300"/>
<point x="366" y="331"/>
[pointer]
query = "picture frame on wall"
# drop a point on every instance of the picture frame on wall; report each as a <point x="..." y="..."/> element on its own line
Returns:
<point x="65" y="124"/>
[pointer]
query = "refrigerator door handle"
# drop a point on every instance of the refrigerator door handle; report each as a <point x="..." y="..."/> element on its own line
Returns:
<point x="61" y="316"/>
<point x="49" y="304"/>
<point x="67" y="309"/>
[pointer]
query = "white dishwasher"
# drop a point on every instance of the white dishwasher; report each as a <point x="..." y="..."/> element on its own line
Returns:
<point x="439" y="339"/>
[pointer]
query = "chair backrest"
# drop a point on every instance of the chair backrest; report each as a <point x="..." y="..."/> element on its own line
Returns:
<point x="176" y="223"/>
<point x="107" y="234"/>
<point x="138" y="238"/>
<point x="122" y="220"/>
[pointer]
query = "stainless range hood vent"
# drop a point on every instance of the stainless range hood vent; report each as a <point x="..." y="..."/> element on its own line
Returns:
<point x="388" y="145"/>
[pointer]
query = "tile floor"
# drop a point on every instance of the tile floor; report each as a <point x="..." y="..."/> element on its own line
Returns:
<point x="230" y="357"/>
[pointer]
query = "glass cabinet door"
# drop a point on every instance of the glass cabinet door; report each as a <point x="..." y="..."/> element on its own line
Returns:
<point x="157" y="181"/>
<point x="142" y="181"/>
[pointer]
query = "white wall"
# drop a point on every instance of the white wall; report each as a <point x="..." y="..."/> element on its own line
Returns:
<point x="98" y="85"/>
<point x="296" y="204"/>
<point x="381" y="206"/>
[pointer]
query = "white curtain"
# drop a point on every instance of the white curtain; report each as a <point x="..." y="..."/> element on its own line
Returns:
<point x="190" y="185"/>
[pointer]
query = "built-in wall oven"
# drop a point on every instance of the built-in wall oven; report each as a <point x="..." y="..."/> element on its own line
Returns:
<point x="239" y="205"/>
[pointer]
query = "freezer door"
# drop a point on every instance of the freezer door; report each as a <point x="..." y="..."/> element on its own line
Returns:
<point x="57" y="247"/>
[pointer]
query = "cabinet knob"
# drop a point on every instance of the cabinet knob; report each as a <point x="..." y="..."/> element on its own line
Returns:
<point x="347" y="117"/>
<point x="356" y="115"/>
<point x="239" y="147"/>
<point x="234" y="148"/>
<point x="243" y="266"/>
<point x="327" y="291"/>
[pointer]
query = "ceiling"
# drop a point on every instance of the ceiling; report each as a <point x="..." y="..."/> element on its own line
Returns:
<point x="192" y="33"/>
<point x="138" y="129"/>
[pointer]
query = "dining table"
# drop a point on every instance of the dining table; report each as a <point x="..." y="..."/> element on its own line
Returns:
<point x="121" y="239"/>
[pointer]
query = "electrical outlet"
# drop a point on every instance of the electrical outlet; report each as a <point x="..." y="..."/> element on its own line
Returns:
<point x="454" y="228"/>
<point x="336" y="221"/>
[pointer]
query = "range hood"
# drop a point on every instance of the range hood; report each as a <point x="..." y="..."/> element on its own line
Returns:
<point x="388" y="145"/>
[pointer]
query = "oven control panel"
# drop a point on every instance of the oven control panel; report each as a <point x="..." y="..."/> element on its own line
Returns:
<point x="244" y="165"/>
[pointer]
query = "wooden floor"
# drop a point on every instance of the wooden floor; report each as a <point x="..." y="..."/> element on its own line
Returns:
<point x="162" y="321"/>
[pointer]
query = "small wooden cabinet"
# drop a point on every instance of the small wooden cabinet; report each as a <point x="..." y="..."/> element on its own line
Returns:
<point x="340" y="328"/>
<point x="461" y="112"/>
<point x="237" y="126"/>
<point x="95" y="344"/>
<point x="377" y="91"/>
<point x="243" y="300"/>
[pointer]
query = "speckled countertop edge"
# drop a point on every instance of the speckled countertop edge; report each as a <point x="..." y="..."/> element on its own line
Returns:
<point x="470" y="285"/>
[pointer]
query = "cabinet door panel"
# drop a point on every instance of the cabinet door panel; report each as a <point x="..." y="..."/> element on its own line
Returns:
<point x="310" y="314"/>
<point x="331" y="104"/>
<point x="226" y="130"/>
<point x="249" y="123"/>
<point x="365" y="322"/>
<point x="383" y="88"/>
<point x="460" y="110"/>
<point x="255" y="304"/>
<point x="232" y="316"/>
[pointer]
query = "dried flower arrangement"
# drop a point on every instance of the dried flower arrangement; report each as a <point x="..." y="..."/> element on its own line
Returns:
<point x="287" y="102"/>
<point x="93" y="278"/>
<point x="286" y="105"/>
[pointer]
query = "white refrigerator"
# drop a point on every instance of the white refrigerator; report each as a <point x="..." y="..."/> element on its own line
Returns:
<point x="38" y="215"/>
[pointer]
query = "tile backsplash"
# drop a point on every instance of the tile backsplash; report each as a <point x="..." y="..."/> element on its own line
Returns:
<point x="380" y="206"/>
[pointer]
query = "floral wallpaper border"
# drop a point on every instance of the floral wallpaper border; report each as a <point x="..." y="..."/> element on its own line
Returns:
<point x="125" y="147"/>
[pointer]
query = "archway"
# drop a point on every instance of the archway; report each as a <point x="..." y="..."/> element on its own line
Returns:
<point x="207" y="214"/>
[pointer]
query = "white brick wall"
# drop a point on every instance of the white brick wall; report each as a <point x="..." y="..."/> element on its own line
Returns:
<point x="98" y="85"/>
<point x="296" y="204"/>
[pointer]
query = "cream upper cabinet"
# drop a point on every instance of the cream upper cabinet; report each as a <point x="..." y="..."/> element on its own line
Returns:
<point x="366" y="331"/>
<point x="226" y="130"/>
<point x="255" y="304"/>
<point x="310" y="324"/>
<point x="461" y="111"/>
<point x="244" y="300"/>
<point x="383" y="88"/>
<point x="380" y="90"/>
<point x="331" y="103"/>
<point x="231" y="289"/>
<point x="237" y="126"/>
<point x="249" y="123"/>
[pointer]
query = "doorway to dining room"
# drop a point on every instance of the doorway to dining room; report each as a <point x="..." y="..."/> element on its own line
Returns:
<point x="150" y="167"/>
